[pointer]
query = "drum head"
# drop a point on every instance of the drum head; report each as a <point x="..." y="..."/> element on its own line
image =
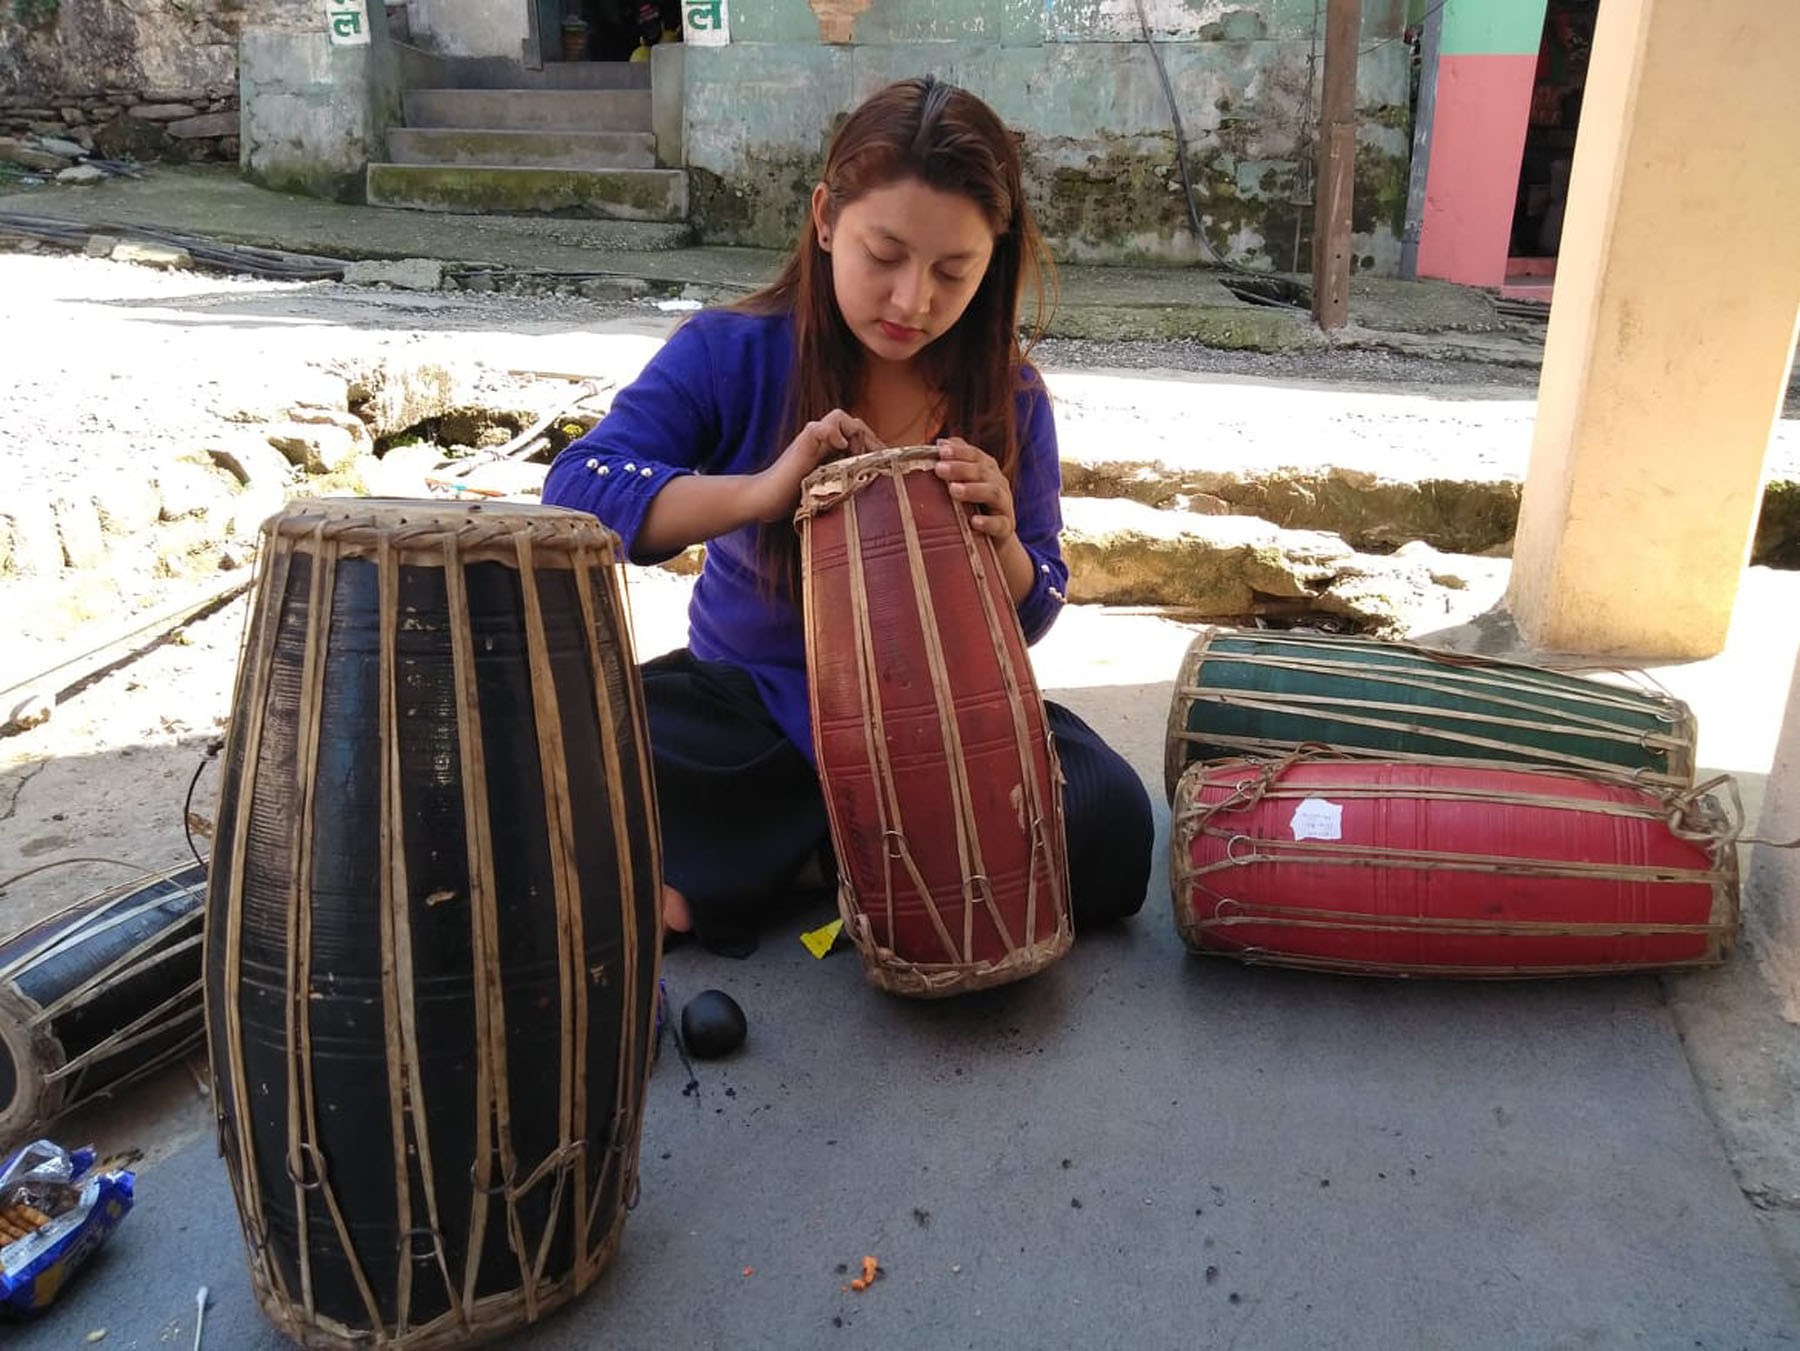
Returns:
<point x="22" y="1087"/>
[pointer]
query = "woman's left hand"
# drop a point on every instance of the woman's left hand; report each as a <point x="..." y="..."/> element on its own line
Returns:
<point x="975" y="478"/>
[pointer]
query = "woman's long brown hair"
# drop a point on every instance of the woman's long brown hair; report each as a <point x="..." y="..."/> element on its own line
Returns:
<point x="951" y="141"/>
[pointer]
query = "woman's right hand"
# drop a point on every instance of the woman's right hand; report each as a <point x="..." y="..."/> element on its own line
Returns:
<point x="778" y="486"/>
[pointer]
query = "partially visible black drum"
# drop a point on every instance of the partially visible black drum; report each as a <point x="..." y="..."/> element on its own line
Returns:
<point x="98" y="995"/>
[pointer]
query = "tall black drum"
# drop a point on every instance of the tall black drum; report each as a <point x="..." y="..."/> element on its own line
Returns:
<point x="98" y="995"/>
<point x="432" y="936"/>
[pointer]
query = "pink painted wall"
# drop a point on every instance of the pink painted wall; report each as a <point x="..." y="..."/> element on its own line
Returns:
<point x="1477" y="141"/>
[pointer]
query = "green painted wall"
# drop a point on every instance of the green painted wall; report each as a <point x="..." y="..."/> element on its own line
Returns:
<point x="773" y="21"/>
<point x="1030" y="22"/>
<point x="1090" y="110"/>
<point x="981" y="22"/>
<point x="1206" y="20"/>
<point x="1493" y="27"/>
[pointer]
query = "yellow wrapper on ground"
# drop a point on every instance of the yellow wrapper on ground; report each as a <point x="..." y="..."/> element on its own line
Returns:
<point x="819" y="941"/>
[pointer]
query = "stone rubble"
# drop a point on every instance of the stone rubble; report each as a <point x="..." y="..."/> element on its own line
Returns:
<point x="150" y="255"/>
<point x="406" y="274"/>
<point x="319" y="433"/>
<point x="181" y="126"/>
<point x="1122" y="552"/>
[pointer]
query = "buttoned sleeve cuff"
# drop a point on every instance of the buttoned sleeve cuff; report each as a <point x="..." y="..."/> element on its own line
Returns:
<point x="615" y="487"/>
<point x="1048" y="594"/>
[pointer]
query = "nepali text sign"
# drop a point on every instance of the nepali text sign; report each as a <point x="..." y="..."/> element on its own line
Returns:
<point x="348" y="21"/>
<point x="705" y="23"/>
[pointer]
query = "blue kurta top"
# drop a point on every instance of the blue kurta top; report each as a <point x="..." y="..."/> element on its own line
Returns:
<point x="714" y="401"/>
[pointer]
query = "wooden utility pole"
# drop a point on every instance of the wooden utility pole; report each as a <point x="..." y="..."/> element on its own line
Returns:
<point x="1336" y="171"/>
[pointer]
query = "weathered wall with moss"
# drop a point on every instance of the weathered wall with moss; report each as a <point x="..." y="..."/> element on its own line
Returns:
<point x="1075" y="80"/>
<point x="152" y="79"/>
<point x="315" y="114"/>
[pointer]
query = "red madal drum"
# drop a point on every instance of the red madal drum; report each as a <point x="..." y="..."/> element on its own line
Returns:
<point x="940" y="777"/>
<point x="1466" y="870"/>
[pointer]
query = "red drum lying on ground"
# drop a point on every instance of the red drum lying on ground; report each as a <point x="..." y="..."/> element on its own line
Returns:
<point x="1404" y="869"/>
<point x="939" y="773"/>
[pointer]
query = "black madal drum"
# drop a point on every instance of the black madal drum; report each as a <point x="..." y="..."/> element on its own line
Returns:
<point x="98" y="995"/>
<point x="432" y="936"/>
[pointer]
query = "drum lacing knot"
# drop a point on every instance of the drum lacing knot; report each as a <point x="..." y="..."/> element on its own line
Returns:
<point x="1696" y="816"/>
<point x="1231" y="847"/>
<point x="562" y="1156"/>
<point x="619" y="1155"/>
<point x="310" y="1153"/>
<point x="405" y="1246"/>
<point x="1244" y="794"/>
<point x="506" y="1182"/>
<point x="1249" y="793"/>
<point x="627" y="1160"/>
<point x="556" y="1162"/>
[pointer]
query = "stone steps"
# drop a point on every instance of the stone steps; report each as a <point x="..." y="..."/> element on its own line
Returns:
<point x="621" y="194"/>
<point x="420" y="69"/>
<point x="569" y="110"/>
<point x="504" y="147"/>
<point x="571" y="152"/>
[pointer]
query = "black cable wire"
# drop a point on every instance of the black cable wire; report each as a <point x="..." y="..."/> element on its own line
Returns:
<point x="1181" y="148"/>
<point x="272" y="264"/>
<point x="187" y="807"/>
<point x="69" y="863"/>
<point x="1187" y="182"/>
<point x="665" y="1022"/>
<point x="1306" y="147"/>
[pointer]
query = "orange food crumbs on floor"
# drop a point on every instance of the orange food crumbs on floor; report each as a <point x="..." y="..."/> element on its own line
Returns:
<point x="864" y="1281"/>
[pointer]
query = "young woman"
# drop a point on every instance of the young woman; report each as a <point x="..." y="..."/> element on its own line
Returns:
<point x="895" y="322"/>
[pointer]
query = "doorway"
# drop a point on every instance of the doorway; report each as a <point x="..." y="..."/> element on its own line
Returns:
<point x="603" y="30"/>
<point x="1543" y="193"/>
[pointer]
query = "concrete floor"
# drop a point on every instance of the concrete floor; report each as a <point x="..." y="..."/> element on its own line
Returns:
<point x="1134" y="1149"/>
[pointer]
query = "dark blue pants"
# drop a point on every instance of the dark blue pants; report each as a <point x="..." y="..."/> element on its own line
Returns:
<point x="742" y="812"/>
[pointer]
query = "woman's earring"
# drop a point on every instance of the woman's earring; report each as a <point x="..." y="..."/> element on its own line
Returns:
<point x="825" y="241"/>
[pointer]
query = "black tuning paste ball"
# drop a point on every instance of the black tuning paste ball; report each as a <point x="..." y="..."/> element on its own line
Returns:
<point x="712" y="1025"/>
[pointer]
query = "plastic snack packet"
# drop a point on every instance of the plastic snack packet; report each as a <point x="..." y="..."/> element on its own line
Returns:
<point x="56" y="1210"/>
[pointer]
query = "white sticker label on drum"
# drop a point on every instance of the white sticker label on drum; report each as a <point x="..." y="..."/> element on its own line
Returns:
<point x="1317" y="819"/>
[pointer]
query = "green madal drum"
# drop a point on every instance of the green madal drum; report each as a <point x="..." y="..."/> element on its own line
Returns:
<point x="1269" y="694"/>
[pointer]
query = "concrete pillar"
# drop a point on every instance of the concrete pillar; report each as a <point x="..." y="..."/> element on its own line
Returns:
<point x="1677" y="294"/>
<point x="668" y="100"/>
<point x="1772" y="887"/>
